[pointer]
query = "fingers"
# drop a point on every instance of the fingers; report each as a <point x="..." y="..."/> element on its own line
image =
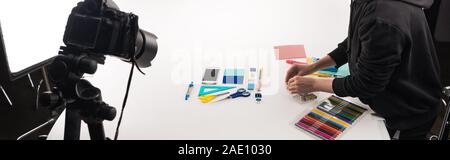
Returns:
<point x="294" y="84"/>
<point x="293" y="80"/>
<point x="302" y="73"/>
<point x="288" y="77"/>
<point x="297" y="70"/>
<point x="293" y="88"/>
<point x="291" y="73"/>
<point x="300" y="85"/>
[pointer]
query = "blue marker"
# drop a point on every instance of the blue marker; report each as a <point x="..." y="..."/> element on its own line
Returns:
<point x="189" y="91"/>
<point x="331" y="69"/>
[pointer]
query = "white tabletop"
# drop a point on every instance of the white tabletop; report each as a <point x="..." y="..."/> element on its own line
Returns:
<point x="195" y="34"/>
<point x="172" y="118"/>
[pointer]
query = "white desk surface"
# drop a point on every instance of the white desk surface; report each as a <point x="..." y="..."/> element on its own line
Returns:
<point x="194" y="34"/>
<point x="172" y="118"/>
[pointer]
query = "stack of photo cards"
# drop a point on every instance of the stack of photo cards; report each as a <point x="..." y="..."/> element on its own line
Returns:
<point x="305" y="98"/>
<point x="331" y="118"/>
<point x="290" y="52"/>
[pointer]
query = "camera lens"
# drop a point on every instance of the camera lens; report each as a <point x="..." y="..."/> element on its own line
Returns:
<point x="146" y="48"/>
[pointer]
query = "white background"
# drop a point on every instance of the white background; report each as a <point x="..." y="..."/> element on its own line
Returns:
<point x="194" y="34"/>
<point x="33" y="29"/>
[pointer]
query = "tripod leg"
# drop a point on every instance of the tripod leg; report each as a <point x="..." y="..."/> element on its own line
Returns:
<point x="96" y="131"/>
<point x="72" y="126"/>
<point x="445" y="135"/>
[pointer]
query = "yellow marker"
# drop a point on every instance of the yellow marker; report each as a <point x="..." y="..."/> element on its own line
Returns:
<point x="321" y="75"/>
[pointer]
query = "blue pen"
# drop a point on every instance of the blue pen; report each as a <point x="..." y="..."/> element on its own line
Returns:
<point x="189" y="91"/>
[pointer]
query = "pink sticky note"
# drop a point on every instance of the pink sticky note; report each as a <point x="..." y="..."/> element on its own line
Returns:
<point x="290" y="52"/>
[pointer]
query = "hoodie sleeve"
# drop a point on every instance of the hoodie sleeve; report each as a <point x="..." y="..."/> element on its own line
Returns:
<point x="339" y="55"/>
<point x="381" y="48"/>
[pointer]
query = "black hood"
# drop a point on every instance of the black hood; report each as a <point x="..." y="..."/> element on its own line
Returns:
<point x="420" y="3"/>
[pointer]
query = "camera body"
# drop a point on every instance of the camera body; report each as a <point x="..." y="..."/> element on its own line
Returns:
<point x="99" y="28"/>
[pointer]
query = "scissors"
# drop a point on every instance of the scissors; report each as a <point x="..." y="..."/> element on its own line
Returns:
<point x="240" y="93"/>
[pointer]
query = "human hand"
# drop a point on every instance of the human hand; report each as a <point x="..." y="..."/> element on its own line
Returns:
<point x="298" y="70"/>
<point x="301" y="85"/>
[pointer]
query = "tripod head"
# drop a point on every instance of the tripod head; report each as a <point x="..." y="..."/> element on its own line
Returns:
<point x="81" y="99"/>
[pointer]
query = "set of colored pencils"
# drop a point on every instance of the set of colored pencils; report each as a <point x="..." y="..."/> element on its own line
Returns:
<point x="331" y="118"/>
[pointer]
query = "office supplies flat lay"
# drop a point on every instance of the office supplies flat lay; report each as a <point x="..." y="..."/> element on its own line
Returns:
<point x="331" y="118"/>
<point x="240" y="93"/>
<point x="205" y="90"/>
<point x="290" y="52"/>
<point x="189" y="91"/>
<point x="233" y="76"/>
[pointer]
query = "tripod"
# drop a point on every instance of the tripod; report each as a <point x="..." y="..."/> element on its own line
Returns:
<point x="82" y="100"/>
<point x="445" y="131"/>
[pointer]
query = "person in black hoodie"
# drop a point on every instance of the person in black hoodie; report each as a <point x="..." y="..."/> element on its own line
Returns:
<point x="393" y="66"/>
